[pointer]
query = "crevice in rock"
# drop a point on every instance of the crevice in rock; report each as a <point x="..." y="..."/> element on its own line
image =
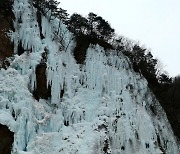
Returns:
<point x="106" y="148"/>
<point x="41" y="91"/>
<point x="39" y="20"/>
<point x="20" y="49"/>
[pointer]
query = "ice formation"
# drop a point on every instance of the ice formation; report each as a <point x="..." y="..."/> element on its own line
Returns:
<point x="106" y="107"/>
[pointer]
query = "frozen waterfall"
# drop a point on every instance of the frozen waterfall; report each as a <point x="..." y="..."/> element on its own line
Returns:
<point x="106" y="108"/>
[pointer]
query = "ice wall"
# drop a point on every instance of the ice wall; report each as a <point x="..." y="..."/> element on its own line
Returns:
<point x="106" y="107"/>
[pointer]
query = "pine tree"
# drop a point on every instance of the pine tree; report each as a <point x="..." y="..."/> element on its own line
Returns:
<point x="78" y="24"/>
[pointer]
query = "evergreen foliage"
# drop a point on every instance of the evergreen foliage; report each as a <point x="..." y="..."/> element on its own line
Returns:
<point x="78" y="24"/>
<point x="93" y="26"/>
<point x="99" y="27"/>
<point x="51" y="6"/>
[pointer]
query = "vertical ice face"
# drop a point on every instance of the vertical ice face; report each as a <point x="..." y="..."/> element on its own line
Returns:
<point x="56" y="42"/>
<point x="105" y="106"/>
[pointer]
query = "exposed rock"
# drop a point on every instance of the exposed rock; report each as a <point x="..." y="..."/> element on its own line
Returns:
<point x="20" y="48"/>
<point x="6" y="24"/>
<point x="41" y="90"/>
<point x="82" y="45"/>
<point x="6" y="140"/>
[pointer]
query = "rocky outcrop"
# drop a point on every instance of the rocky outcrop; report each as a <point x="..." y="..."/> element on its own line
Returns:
<point x="6" y="140"/>
<point x="6" y="24"/>
<point x="82" y="44"/>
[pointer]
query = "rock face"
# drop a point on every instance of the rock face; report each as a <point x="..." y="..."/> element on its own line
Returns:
<point x="6" y="139"/>
<point x="99" y="107"/>
<point x="6" y="24"/>
<point x="82" y="44"/>
<point x="41" y="91"/>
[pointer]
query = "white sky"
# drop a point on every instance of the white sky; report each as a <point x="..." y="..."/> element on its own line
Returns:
<point x="155" y="23"/>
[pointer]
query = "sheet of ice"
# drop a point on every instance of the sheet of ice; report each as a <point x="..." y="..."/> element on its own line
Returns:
<point x="106" y="106"/>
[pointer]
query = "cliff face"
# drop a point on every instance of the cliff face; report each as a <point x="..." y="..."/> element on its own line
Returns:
<point x="6" y="25"/>
<point x="54" y="105"/>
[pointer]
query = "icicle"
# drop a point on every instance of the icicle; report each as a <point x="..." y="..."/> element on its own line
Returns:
<point x="93" y="108"/>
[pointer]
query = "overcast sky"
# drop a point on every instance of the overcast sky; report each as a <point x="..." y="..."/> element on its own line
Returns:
<point x="155" y="23"/>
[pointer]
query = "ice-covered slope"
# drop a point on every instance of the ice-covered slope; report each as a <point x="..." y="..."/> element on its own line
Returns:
<point x="105" y="107"/>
